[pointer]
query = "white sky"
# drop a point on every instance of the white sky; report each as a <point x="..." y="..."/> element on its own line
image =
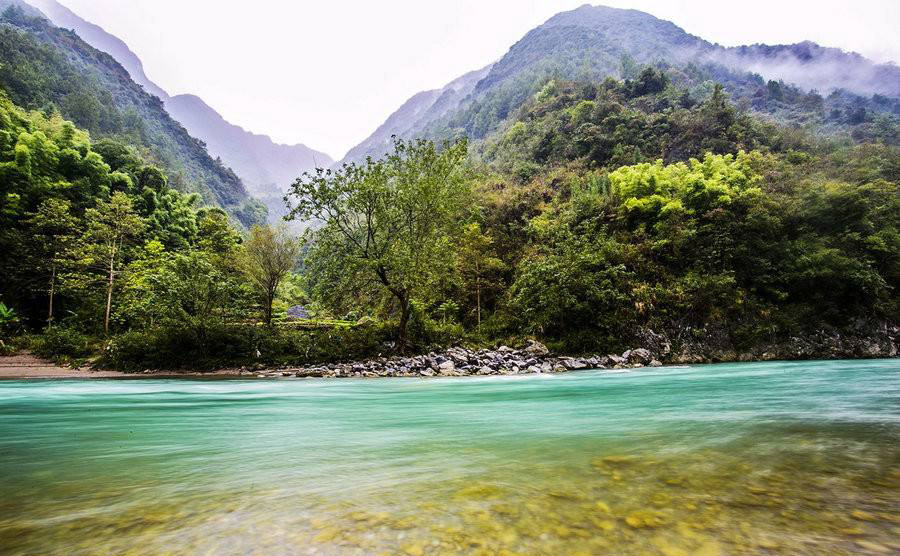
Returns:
<point x="327" y="73"/>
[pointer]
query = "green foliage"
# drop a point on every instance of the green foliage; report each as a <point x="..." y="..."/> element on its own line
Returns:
<point x="176" y="348"/>
<point x="388" y="226"/>
<point x="267" y="257"/>
<point x="46" y="68"/>
<point x="9" y="319"/>
<point x="61" y="343"/>
<point x="584" y="214"/>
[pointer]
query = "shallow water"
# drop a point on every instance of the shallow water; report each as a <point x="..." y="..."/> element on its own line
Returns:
<point x="758" y="458"/>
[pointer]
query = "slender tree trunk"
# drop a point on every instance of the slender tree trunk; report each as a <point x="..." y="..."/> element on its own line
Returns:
<point x="270" y="298"/>
<point x="478" y="292"/>
<point x="52" y="290"/>
<point x="404" y="321"/>
<point x="478" y="303"/>
<point x="109" y="291"/>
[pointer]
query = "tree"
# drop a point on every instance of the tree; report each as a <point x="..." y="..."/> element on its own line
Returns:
<point x="268" y="255"/>
<point x="112" y="226"/>
<point x="53" y="228"/>
<point x="478" y="265"/>
<point x="388" y="225"/>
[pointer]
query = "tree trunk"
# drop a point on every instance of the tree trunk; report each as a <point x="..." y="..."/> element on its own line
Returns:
<point x="109" y="290"/>
<point x="270" y="298"/>
<point x="478" y="292"/>
<point x="404" y="321"/>
<point x="478" y="303"/>
<point x="52" y="290"/>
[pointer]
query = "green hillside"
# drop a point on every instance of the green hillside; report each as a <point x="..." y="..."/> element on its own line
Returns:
<point x="50" y="69"/>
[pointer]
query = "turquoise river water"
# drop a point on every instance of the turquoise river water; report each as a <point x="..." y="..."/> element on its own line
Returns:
<point x="753" y="458"/>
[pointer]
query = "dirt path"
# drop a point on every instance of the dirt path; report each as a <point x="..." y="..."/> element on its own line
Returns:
<point x="26" y="365"/>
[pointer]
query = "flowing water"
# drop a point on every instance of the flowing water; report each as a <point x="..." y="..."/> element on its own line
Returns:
<point x="755" y="458"/>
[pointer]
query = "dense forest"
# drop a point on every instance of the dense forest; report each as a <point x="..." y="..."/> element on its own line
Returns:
<point x="598" y="215"/>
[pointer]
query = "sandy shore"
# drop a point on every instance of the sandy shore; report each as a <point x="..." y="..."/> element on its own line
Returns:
<point x="26" y="365"/>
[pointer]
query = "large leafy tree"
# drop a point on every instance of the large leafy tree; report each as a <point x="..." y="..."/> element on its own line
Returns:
<point x="387" y="225"/>
<point x="479" y="267"/>
<point x="267" y="257"/>
<point x="112" y="227"/>
<point x="54" y="230"/>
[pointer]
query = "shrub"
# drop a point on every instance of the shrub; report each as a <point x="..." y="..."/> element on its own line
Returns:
<point x="177" y="348"/>
<point x="62" y="343"/>
<point x="171" y="348"/>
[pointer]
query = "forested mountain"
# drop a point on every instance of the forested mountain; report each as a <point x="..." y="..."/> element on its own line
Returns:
<point x="825" y="87"/>
<point x="47" y="68"/>
<point x="97" y="37"/>
<point x="265" y="167"/>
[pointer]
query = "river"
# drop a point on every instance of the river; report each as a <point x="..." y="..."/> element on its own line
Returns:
<point x="750" y="458"/>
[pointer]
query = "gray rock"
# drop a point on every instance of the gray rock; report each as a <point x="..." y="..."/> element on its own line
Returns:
<point x="447" y="366"/>
<point x="638" y="356"/>
<point x="613" y="360"/>
<point x="536" y="348"/>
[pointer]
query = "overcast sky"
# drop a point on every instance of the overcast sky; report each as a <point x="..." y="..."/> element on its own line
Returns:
<point x="327" y="73"/>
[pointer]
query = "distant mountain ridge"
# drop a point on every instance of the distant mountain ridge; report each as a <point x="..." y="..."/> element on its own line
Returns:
<point x="266" y="168"/>
<point x="593" y="42"/>
<point x="813" y="66"/>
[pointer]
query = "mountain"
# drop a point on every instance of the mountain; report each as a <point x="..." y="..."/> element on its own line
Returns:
<point x="266" y="168"/>
<point x="812" y="66"/>
<point x="95" y="36"/>
<point x="263" y="164"/>
<point x="27" y="9"/>
<point x="591" y="43"/>
<point x="417" y="112"/>
<point x="44" y="67"/>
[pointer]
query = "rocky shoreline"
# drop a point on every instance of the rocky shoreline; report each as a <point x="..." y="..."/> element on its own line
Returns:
<point x="535" y="358"/>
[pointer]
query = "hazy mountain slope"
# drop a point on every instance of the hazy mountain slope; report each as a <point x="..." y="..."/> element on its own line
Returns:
<point x="812" y="66"/>
<point x="265" y="167"/>
<point x="27" y="9"/>
<point x="590" y="42"/>
<point x="415" y="114"/>
<point x="43" y="66"/>
<point x="262" y="164"/>
<point x="95" y="36"/>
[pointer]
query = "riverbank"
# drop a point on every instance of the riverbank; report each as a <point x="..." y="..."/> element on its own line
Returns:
<point x="27" y="366"/>
<point x="533" y="358"/>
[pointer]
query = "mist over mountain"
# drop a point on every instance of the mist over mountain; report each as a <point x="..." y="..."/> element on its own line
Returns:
<point x="591" y="43"/>
<point x="812" y="66"/>
<point x="265" y="167"/>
